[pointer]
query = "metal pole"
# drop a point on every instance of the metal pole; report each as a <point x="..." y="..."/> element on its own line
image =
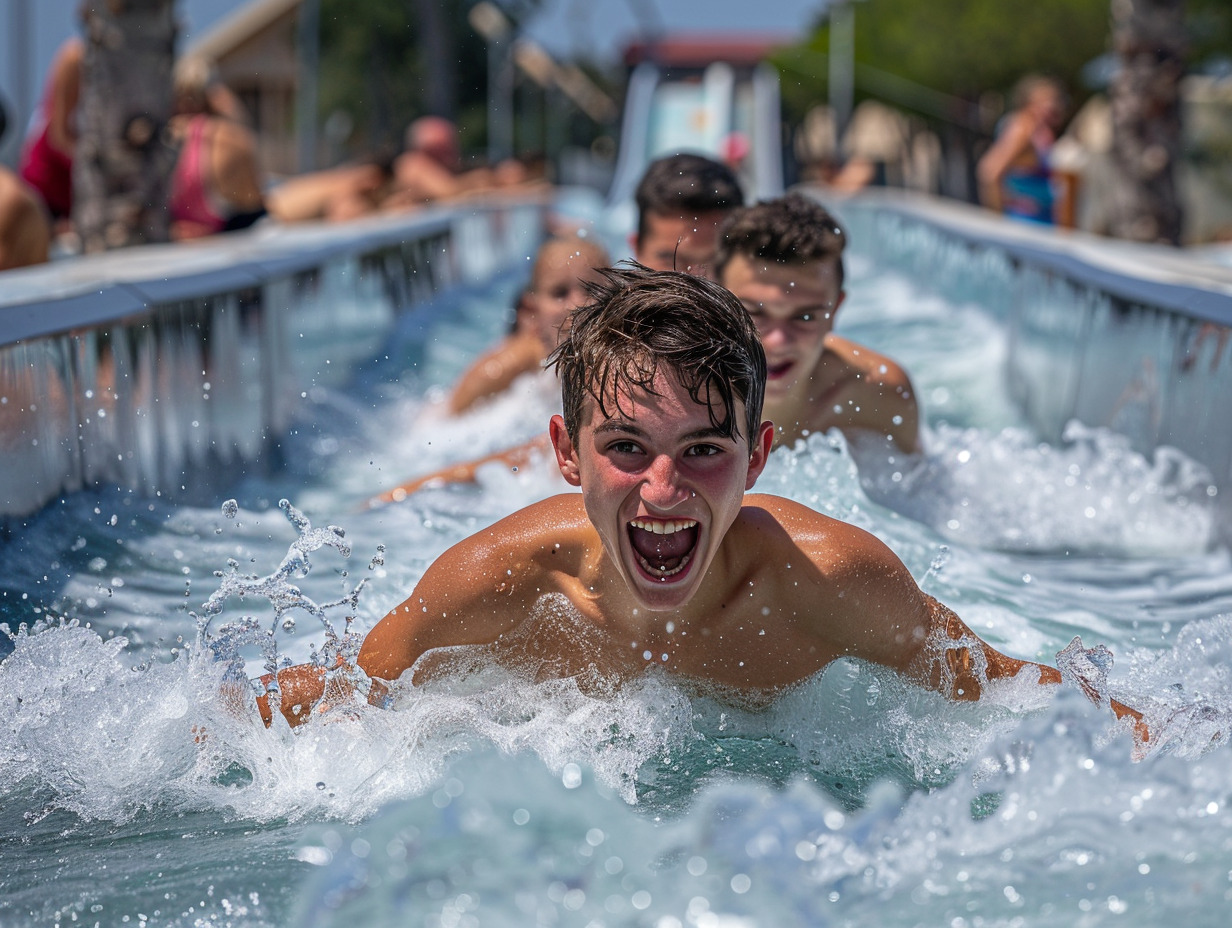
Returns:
<point x="308" y="40"/>
<point x="493" y="99"/>
<point x="842" y="64"/>
<point x="20" y="41"/>
<point x="503" y="131"/>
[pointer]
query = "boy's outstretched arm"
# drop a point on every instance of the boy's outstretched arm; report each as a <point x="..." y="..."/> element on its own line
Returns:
<point x="466" y="471"/>
<point x="958" y="677"/>
<point x="887" y="619"/>
<point x="472" y="594"/>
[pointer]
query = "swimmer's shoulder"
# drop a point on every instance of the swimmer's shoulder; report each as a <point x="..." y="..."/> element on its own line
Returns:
<point x="495" y="370"/>
<point x="783" y="524"/>
<point x="513" y="561"/>
<point x="872" y="366"/>
<point x="857" y="592"/>
<point x="778" y="517"/>
<point x="552" y="526"/>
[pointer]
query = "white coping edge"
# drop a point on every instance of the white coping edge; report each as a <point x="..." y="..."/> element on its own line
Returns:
<point x="1180" y="280"/>
<point x="89" y="289"/>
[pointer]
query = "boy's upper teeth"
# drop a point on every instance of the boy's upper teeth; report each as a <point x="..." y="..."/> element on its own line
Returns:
<point x="663" y="526"/>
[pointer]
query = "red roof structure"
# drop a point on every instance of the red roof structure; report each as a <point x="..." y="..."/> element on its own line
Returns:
<point x="700" y="50"/>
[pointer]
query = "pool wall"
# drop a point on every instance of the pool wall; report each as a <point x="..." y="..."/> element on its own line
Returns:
<point x="153" y="367"/>
<point x="1135" y="338"/>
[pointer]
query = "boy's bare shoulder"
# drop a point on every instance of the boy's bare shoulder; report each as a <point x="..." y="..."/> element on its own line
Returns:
<point x="495" y="370"/>
<point x="556" y="524"/>
<point x="498" y="572"/>
<point x="830" y="543"/>
<point x="854" y="590"/>
<point x="873" y="366"/>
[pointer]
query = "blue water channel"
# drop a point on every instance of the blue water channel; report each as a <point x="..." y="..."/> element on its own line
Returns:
<point x="132" y="792"/>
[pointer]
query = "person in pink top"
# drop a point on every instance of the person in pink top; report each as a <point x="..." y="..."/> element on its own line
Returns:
<point x="47" y="155"/>
<point x="216" y="184"/>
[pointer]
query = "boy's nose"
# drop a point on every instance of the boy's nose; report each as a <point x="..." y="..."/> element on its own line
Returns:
<point x="663" y="488"/>
<point x="772" y="333"/>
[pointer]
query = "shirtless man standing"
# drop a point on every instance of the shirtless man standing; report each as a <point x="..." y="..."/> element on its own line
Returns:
<point x="783" y="259"/>
<point x="662" y="552"/>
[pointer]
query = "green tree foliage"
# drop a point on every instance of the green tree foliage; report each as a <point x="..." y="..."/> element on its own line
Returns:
<point x="965" y="48"/>
<point x="1210" y="30"/>
<point x="374" y="69"/>
<point x="958" y="47"/>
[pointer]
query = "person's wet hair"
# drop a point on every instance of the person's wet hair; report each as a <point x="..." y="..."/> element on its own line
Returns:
<point x="792" y="229"/>
<point x="640" y="322"/>
<point x="685" y="184"/>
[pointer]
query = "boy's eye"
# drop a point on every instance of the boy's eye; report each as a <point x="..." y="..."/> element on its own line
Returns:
<point x="624" y="447"/>
<point x="704" y="450"/>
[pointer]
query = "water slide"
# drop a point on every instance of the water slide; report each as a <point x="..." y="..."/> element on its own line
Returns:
<point x="722" y="114"/>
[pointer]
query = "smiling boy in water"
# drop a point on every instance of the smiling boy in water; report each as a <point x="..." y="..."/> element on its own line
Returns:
<point x="662" y="559"/>
<point x="783" y="259"/>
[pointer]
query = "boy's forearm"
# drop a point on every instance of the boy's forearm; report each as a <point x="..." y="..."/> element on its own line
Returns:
<point x="466" y="471"/>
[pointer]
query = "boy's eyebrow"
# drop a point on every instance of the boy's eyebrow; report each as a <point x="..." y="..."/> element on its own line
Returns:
<point x="625" y="427"/>
<point x="823" y="304"/>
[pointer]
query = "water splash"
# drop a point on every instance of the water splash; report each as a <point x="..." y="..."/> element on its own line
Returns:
<point x="1090" y="493"/>
<point x="339" y="653"/>
<point x="1190" y="715"/>
<point x="1087" y="669"/>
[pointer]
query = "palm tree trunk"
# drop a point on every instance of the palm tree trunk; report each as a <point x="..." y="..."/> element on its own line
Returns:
<point x="122" y="165"/>
<point x="1149" y="38"/>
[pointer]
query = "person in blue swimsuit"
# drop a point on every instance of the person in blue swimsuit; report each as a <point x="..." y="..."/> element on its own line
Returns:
<point x="1015" y="174"/>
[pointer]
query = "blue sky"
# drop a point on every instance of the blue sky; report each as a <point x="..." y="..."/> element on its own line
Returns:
<point x="564" y="26"/>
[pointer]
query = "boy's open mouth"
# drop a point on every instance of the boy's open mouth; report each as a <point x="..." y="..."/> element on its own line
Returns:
<point x="663" y="547"/>
<point x="776" y="371"/>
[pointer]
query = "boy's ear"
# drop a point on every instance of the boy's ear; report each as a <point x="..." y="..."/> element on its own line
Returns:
<point x="566" y="454"/>
<point x="761" y="452"/>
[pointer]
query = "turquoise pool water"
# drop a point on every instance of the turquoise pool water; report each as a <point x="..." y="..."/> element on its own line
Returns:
<point x="131" y="795"/>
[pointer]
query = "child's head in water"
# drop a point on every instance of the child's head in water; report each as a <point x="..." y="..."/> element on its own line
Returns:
<point x="556" y="285"/>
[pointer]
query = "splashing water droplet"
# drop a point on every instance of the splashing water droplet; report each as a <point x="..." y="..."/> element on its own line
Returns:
<point x="340" y="651"/>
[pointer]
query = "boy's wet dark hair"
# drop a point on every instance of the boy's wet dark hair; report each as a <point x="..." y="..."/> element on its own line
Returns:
<point x="642" y="321"/>
<point x="685" y="185"/>
<point x="792" y="229"/>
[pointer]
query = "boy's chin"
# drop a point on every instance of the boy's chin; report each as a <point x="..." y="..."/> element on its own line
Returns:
<point x="662" y="595"/>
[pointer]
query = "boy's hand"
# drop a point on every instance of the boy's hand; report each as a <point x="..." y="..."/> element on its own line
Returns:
<point x="300" y="688"/>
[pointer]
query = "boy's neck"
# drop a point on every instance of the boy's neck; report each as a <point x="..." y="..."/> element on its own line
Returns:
<point x="801" y="410"/>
